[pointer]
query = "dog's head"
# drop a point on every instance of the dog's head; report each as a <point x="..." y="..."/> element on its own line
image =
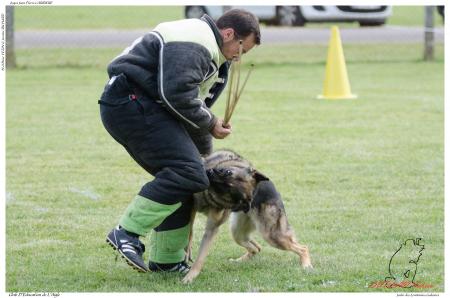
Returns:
<point x="236" y="179"/>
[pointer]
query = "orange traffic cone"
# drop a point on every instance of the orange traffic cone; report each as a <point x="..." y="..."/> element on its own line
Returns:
<point x="336" y="84"/>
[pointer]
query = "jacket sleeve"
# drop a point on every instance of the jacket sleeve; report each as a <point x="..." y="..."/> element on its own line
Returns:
<point x="183" y="66"/>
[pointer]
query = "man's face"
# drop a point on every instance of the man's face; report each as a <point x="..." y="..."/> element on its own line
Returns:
<point x="230" y="46"/>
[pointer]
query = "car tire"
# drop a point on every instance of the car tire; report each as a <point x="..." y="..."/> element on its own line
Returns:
<point x="194" y="12"/>
<point x="289" y="16"/>
<point x="372" y="23"/>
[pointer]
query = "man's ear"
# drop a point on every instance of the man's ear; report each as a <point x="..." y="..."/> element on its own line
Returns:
<point x="227" y="34"/>
<point x="258" y="176"/>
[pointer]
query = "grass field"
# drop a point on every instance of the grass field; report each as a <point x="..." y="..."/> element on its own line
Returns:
<point x="358" y="177"/>
<point x="129" y="17"/>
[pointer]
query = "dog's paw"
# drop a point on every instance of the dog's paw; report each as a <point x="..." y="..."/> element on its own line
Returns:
<point x="239" y="260"/>
<point x="308" y="267"/>
<point x="245" y="257"/>
<point x="189" y="278"/>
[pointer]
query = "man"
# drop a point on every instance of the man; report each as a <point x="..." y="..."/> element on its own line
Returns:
<point x="156" y="104"/>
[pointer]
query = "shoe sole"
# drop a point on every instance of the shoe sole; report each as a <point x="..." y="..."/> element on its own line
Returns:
<point x="129" y="262"/>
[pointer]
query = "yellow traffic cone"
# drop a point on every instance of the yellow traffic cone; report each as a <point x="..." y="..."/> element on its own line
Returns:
<point x="336" y="84"/>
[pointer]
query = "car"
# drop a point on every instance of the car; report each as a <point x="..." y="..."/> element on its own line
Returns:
<point x="365" y="15"/>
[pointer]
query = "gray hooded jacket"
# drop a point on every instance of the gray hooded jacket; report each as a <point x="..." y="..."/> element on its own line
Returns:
<point x="180" y="65"/>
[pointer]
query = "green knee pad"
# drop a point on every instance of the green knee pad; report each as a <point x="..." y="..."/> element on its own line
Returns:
<point x="142" y="215"/>
<point x="168" y="246"/>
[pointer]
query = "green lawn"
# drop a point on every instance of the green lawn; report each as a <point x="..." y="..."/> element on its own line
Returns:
<point x="94" y="17"/>
<point x="412" y="16"/>
<point x="358" y="177"/>
<point x="130" y="17"/>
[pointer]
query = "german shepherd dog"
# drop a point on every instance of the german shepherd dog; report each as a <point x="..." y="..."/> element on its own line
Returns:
<point x="238" y="189"/>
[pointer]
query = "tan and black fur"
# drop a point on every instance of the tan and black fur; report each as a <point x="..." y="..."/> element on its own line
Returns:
<point x="254" y="204"/>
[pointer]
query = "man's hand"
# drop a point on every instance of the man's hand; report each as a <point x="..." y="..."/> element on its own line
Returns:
<point x="220" y="130"/>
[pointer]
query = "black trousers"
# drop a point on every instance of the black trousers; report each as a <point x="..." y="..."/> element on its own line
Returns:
<point x="160" y="144"/>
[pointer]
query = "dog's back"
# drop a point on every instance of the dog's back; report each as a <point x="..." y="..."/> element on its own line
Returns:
<point x="266" y="193"/>
<point x="267" y="212"/>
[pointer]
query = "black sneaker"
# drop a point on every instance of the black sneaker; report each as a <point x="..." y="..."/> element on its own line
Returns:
<point x="181" y="267"/>
<point x="129" y="246"/>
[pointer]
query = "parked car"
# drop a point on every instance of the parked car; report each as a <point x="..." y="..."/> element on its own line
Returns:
<point x="299" y="15"/>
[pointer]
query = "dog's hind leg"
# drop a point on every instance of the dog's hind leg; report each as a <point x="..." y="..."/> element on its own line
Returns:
<point x="255" y="244"/>
<point x="252" y="250"/>
<point x="241" y="228"/>
<point x="286" y="241"/>
<point x="303" y="252"/>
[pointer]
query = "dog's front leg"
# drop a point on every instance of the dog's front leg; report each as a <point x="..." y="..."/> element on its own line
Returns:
<point x="212" y="227"/>
<point x="188" y="248"/>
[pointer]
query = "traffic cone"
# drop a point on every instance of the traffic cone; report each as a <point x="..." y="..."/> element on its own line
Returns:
<point x="336" y="84"/>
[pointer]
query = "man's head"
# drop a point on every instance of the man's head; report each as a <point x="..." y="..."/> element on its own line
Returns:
<point x="235" y="25"/>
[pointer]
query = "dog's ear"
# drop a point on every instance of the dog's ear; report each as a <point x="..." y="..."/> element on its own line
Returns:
<point x="258" y="176"/>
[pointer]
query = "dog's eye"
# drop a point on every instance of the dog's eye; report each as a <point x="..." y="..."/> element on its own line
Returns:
<point x="228" y="173"/>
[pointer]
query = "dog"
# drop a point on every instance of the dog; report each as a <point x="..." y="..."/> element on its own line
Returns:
<point x="239" y="190"/>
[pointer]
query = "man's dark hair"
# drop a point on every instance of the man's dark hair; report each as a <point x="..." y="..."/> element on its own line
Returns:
<point x="242" y="22"/>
